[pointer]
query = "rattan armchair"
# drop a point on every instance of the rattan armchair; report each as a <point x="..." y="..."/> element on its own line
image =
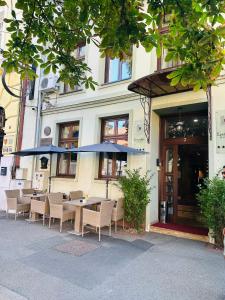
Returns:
<point x="74" y="195"/>
<point x="16" y="203"/>
<point x="118" y="212"/>
<point x="57" y="209"/>
<point x="27" y="191"/>
<point x="40" y="206"/>
<point x="98" y="219"/>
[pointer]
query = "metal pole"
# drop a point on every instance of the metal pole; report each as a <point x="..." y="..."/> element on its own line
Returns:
<point x="107" y="178"/>
<point x="50" y="174"/>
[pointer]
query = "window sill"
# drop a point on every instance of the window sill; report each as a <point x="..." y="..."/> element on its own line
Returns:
<point x="64" y="177"/>
<point x="61" y="95"/>
<point x="104" y="179"/>
<point x="114" y="83"/>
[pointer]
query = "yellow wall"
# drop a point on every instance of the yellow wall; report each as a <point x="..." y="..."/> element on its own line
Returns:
<point x="11" y="106"/>
<point x="9" y="103"/>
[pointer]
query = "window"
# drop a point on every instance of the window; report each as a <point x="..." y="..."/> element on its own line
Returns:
<point x="79" y="53"/>
<point x="114" y="130"/>
<point x="168" y="64"/>
<point x="68" y="138"/>
<point x="161" y="63"/>
<point x="116" y="69"/>
<point x="186" y="126"/>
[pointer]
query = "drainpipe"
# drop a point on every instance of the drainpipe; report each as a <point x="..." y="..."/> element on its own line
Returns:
<point x="23" y="92"/>
<point x="37" y="125"/>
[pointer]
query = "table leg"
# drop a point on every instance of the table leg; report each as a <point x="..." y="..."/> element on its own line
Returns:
<point x="78" y="219"/>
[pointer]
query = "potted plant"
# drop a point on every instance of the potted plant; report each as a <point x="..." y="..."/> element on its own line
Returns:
<point x="136" y="191"/>
<point x="212" y="202"/>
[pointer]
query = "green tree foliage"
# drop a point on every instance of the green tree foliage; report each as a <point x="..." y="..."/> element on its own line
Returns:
<point x="212" y="202"/>
<point x="136" y="192"/>
<point x="54" y="28"/>
<point x="196" y="31"/>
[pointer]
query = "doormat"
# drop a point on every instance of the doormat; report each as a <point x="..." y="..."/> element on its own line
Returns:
<point x="76" y="248"/>
<point x="183" y="228"/>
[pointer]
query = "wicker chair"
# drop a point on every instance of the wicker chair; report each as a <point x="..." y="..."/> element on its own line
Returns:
<point x="98" y="219"/>
<point x="17" y="203"/>
<point x="40" y="206"/>
<point x="57" y="209"/>
<point x="27" y="191"/>
<point x="118" y="213"/>
<point x="74" y="195"/>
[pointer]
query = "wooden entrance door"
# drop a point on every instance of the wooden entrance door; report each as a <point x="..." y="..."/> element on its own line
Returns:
<point x="184" y="164"/>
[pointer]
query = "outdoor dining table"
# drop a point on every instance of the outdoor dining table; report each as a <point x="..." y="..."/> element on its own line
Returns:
<point x="79" y="205"/>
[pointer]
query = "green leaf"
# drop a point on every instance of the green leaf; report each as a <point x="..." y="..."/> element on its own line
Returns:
<point x="47" y="70"/>
<point x="175" y="80"/>
<point x="197" y="86"/>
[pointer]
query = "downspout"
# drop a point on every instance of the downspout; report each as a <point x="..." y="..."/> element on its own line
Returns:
<point x="23" y="92"/>
<point x="37" y="125"/>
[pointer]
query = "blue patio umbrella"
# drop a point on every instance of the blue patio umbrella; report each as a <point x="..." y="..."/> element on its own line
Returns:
<point x="51" y="149"/>
<point x="107" y="147"/>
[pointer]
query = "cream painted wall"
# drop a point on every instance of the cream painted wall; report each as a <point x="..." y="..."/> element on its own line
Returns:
<point x="217" y="160"/>
<point x="87" y="169"/>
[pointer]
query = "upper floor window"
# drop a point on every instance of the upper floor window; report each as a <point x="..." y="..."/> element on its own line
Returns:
<point x="117" y="70"/>
<point x="163" y="64"/>
<point x="68" y="138"/>
<point x="79" y="53"/>
<point x="114" y="130"/>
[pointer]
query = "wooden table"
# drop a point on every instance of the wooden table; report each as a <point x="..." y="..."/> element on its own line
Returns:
<point x="79" y="209"/>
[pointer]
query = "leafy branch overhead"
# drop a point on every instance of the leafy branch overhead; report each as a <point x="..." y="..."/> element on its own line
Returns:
<point x="47" y="33"/>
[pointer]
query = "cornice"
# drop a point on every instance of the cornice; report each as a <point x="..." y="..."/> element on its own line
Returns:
<point x="91" y="104"/>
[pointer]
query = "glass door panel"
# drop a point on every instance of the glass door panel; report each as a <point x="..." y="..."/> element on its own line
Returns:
<point x="169" y="182"/>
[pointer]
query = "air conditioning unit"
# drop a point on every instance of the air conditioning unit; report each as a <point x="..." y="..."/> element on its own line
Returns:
<point x="49" y="84"/>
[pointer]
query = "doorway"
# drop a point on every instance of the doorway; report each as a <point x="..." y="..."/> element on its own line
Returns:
<point x="184" y="165"/>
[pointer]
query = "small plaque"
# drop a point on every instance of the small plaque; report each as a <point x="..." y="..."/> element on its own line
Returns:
<point x="47" y="131"/>
<point x="46" y="141"/>
<point x="220" y="132"/>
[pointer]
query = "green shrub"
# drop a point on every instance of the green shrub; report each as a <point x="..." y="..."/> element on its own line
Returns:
<point x="212" y="202"/>
<point x="136" y="190"/>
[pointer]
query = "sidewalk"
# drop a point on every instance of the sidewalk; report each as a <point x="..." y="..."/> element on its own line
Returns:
<point x="38" y="263"/>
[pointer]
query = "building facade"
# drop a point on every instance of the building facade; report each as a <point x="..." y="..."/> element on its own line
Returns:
<point x="10" y="107"/>
<point x="180" y="152"/>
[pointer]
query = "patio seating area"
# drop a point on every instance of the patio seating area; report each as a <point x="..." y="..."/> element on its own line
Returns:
<point x="74" y="208"/>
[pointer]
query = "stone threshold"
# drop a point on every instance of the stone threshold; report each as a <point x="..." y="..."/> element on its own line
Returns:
<point x="180" y="234"/>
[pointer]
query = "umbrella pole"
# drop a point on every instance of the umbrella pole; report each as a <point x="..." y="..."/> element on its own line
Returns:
<point x="50" y="174"/>
<point x="107" y="178"/>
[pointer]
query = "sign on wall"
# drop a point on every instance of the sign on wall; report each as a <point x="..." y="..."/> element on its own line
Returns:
<point x="8" y="144"/>
<point x="45" y="141"/>
<point x="139" y="139"/>
<point x="220" y="131"/>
